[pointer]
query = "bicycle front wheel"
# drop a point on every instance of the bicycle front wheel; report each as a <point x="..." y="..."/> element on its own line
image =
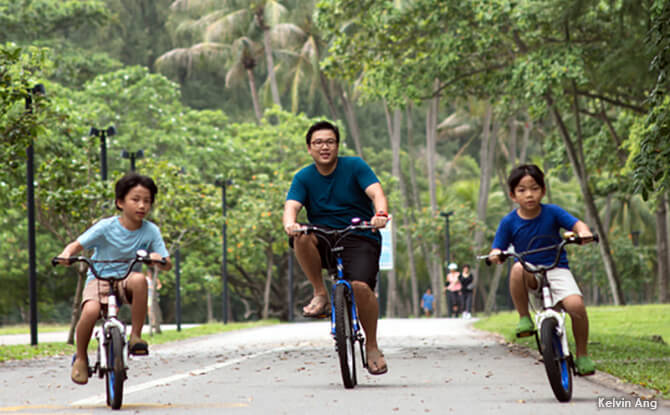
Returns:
<point x="557" y="365"/>
<point x="344" y="337"/>
<point x="116" y="372"/>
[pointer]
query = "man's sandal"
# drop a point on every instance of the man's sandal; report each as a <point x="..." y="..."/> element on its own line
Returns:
<point x="376" y="358"/>
<point x="317" y="308"/>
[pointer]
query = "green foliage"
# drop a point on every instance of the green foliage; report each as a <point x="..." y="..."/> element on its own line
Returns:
<point x="628" y="342"/>
<point x="27" y="20"/>
<point x="650" y="153"/>
<point x="20" y="70"/>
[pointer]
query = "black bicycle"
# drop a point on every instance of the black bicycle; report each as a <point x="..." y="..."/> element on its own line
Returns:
<point x="112" y="354"/>
<point x="552" y="340"/>
<point x="344" y="323"/>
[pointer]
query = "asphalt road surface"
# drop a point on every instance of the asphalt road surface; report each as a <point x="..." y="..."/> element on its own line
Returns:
<point x="436" y="366"/>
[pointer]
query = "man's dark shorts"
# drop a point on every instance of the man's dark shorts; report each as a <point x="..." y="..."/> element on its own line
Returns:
<point x="360" y="257"/>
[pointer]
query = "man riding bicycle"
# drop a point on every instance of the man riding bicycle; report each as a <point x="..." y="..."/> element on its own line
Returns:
<point x="334" y="190"/>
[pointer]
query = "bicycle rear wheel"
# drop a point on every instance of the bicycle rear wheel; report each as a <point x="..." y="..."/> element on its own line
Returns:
<point x="344" y="337"/>
<point x="557" y="365"/>
<point x="116" y="372"/>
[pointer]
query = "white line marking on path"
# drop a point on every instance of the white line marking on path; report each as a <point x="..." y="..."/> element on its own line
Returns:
<point x="98" y="399"/>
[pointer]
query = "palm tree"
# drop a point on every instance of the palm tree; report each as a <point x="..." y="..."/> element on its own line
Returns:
<point x="229" y="35"/>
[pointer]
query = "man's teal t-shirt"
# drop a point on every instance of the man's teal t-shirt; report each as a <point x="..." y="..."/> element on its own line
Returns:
<point x="111" y="241"/>
<point x="335" y="199"/>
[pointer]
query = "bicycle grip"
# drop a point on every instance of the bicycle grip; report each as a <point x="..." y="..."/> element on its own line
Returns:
<point x="56" y="260"/>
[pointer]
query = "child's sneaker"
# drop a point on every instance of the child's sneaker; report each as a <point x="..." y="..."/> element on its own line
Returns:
<point x="525" y="327"/>
<point x="584" y="366"/>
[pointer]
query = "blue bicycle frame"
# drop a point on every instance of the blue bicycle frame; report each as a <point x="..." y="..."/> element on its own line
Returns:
<point x="340" y="280"/>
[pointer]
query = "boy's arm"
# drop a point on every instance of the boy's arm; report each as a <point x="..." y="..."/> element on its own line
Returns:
<point x="582" y="230"/>
<point x="71" y="249"/>
<point x="163" y="267"/>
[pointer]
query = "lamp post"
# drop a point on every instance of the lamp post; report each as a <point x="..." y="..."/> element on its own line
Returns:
<point x="446" y="215"/>
<point x="290" y="285"/>
<point x="132" y="156"/>
<point x="30" y="179"/>
<point x="177" y="282"/>
<point x="103" y="134"/>
<point x="224" y="265"/>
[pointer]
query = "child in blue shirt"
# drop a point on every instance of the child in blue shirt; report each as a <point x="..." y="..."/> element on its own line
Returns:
<point x="533" y="225"/>
<point x="118" y="237"/>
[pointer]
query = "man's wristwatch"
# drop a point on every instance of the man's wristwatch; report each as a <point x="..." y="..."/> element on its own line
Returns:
<point x="382" y="213"/>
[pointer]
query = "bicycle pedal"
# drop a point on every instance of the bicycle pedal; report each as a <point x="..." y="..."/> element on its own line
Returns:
<point x="526" y="334"/>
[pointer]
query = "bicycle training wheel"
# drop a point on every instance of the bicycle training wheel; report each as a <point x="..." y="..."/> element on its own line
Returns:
<point x="344" y="337"/>
<point x="557" y="365"/>
<point x="116" y="372"/>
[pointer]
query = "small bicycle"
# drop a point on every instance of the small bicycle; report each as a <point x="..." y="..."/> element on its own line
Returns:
<point x="112" y="354"/>
<point x="552" y="339"/>
<point x="344" y="323"/>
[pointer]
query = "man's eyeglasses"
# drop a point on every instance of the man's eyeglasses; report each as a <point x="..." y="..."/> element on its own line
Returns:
<point x="321" y="143"/>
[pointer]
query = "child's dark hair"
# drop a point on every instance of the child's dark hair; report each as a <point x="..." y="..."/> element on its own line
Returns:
<point x="131" y="180"/>
<point x="466" y="266"/>
<point x="519" y="172"/>
<point x="322" y="125"/>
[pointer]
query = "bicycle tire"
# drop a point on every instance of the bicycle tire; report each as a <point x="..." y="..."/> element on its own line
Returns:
<point x="344" y="337"/>
<point x="556" y="365"/>
<point x="116" y="372"/>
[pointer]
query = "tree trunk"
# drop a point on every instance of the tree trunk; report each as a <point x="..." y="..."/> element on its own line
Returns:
<point x="433" y="260"/>
<point x="591" y="209"/>
<point x="486" y="160"/>
<point x="329" y="96"/>
<point x="350" y="116"/>
<point x="489" y="306"/>
<point x="254" y="95"/>
<point x="156" y="318"/>
<point x="412" y="157"/>
<point x="662" y="249"/>
<point x="76" y="303"/>
<point x="407" y="205"/>
<point x="271" y="66"/>
<point x="527" y="128"/>
<point x="393" y="126"/>
<point x="210" y="306"/>
<point x="268" y="283"/>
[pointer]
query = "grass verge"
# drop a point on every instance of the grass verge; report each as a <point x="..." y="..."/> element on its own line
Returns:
<point x="22" y="352"/>
<point x="629" y="342"/>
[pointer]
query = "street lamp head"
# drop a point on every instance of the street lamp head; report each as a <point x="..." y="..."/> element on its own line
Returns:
<point x="223" y="182"/>
<point x="111" y="131"/>
<point x="136" y="154"/>
<point x="447" y="214"/>
<point x="39" y="89"/>
<point x="94" y="131"/>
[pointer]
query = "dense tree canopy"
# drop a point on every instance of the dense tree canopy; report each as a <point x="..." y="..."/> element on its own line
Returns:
<point x="460" y="90"/>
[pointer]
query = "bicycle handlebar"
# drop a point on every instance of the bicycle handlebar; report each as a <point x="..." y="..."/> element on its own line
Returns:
<point x="569" y="238"/>
<point x="141" y="256"/>
<point x="327" y="231"/>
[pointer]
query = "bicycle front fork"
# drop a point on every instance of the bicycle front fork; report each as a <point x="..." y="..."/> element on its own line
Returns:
<point x="102" y="335"/>
<point x="560" y="327"/>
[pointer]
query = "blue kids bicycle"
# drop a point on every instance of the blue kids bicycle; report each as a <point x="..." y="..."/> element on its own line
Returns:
<point x="112" y="354"/>
<point x="552" y="339"/>
<point x="344" y="323"/>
